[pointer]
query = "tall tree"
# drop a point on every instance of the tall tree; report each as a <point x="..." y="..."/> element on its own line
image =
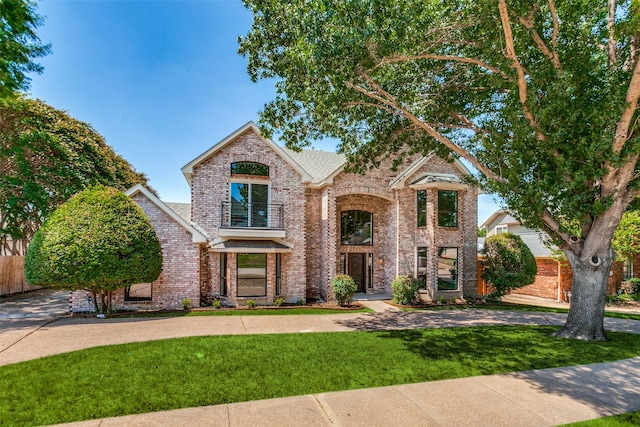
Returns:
<point x="99" y="240"/>
<point x="539" y="96"/>
<point x="19" y="45"/>
<point x="45" y="157"/>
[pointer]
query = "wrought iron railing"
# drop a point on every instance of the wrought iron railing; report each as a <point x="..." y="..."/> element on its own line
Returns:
<point x="251" y="215"/>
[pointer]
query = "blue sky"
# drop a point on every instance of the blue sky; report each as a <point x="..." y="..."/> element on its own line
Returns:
<point x="160" y="80"/>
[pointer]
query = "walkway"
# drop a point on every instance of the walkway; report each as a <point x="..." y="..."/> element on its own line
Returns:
<point x="535" y="398"/>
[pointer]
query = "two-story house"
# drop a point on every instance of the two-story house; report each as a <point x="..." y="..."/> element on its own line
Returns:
<point x="266" y="221"/>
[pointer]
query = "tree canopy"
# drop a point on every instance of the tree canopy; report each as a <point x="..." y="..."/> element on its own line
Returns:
<point x="19" y="45"/>
<point x="626" y="240"/>
<point x="99" y="240"/>
<point x="46" y="156"/>
<point x="507" y="264"/>
<point x="540" y="97"/>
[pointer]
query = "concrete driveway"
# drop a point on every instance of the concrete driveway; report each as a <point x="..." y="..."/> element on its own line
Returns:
<point x="23" y="314"/>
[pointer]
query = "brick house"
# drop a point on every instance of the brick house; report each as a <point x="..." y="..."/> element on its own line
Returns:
<point x="554" y="276"/>
<point x="265" y="221"/>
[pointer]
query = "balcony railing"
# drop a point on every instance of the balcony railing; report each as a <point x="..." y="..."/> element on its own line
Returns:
<point x="252" y="215"/>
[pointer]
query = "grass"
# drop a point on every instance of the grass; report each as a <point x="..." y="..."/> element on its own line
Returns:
<point x="521" y="307"/>
<point x="622" y="420"/>
<point x="168" y="374"/>
<point x="243" y="312"/>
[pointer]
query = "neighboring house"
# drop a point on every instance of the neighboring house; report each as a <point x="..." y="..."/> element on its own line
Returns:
<point x="265" y="221"/>
<point x="554" y="275"/>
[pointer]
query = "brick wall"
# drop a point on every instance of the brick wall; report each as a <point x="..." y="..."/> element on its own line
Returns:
<point x="210" y="184"/>
<point x="546" y="283"/>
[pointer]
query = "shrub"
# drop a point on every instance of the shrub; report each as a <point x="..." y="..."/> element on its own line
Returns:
<point x="405" y="290"/>
<point x="251" y="303"/>
<point x="186" y="303"/>
<point x="508" y="264"/>
<point x="278" y="301"/>
<point x="216" y="303"/>
<point x="99" y="240"/>
<point x="343" y="289"/>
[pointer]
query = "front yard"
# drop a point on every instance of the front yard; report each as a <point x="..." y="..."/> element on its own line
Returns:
<point x="168" y="374"/>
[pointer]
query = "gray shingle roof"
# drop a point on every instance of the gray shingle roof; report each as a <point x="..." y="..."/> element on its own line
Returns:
<point x="182" y="209"/>
<point x="319" y="164"/>
<point x="535" y="241"/>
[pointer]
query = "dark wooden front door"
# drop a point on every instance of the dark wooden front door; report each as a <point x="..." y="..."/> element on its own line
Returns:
<point x="357" y="271"/>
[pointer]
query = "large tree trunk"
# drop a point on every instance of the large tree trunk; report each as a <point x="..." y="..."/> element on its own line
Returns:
<point x="588" y="295"/>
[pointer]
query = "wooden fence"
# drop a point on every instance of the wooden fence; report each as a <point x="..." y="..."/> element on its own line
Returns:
<point x="12" y="280"/>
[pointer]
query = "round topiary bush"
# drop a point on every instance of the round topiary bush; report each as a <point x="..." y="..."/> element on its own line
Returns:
<point x="405" y="290"/>
<point x="508" y="264"/>
<point x="343" y="289"/>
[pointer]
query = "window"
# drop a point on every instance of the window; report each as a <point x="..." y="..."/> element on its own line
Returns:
<point x="370" y="270"/>
<point x="278" y="273"/>
<point x="223" y="274"/>
<point x="422" y="208"/>
<point x="249" y="205"/>
<point x="356" y="228"/>
<point x="249" y="168"/>
<point x="138" y="292"/>
<point x="501" y="229"/>
<point x="627" y="268"/>
<point x="252" y="275"/>
<point x="421" y="273"/>
<point x="448" y="269"/>
<point x="447" y="208"/>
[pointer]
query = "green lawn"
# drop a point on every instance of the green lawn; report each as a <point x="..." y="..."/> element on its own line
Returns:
<point x="623" y="420"/>
<point x="521" y="307"/>
<point x="169" y="374"/>
<point x="244" y="312"/>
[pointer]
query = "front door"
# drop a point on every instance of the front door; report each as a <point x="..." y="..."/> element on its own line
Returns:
<point x="356" y="270"/>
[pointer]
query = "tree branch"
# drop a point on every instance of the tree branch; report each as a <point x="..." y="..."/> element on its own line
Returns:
<point x="553" y="56"/>
<point x="475" y="61"/>
<point x="611" y="43"/>
<point x="387" y="99"/>
<point x="631" y="100"/>
<point x="510" y="53"/>
<point x="556" y="27"/>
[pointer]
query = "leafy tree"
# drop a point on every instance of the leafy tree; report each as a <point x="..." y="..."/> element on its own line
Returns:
<point x="507" y="264"/>
<point x="540" y="97"/>
<point x="19" y="45"/>
<point x="46" y="156"/>
<point x="626" y="240"/>
<point x="99" y="240"/>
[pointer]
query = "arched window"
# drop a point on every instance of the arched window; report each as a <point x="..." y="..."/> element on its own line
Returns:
<point x="249" y="168"/>
<point x="356" y="228"/>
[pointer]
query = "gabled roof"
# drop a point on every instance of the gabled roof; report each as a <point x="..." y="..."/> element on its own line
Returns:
<point x="400" y="180"/>
<point x="323" y="166"/>
<point x="196" y="236"/>
<point x="508" y="219"/>
<point x="182" y="209"/>
<point x="187" y="169"/>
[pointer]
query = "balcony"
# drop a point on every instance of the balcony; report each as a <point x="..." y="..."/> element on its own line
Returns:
<point x="259" y="220"/>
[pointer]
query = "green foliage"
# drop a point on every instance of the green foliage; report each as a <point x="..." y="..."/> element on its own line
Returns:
<point x="343" y="288"/>
<point x="47" y="157"/>
<point x="482" y="232"/>
<point x="278" y="301"/>
<point x="508" y="263"/>
<point x="19" y="45"/>
<point x="217" y="304"/>
<point x="251" y="303"/>
<point x="405" y="290"/>
<point x="626" y="240"/>
<point x="99" y="240"/>
<point x="186" y="304"/>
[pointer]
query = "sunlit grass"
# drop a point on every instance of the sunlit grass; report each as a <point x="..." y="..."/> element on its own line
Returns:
<point x="630" y="419"/>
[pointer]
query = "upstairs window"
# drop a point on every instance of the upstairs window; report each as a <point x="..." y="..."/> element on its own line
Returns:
<point x="447" y="208"/>
<point x="422" y="207"/>
<point x="501" y="229"/>
<point x="356" y="228"/>
<point x="249" y="168"/>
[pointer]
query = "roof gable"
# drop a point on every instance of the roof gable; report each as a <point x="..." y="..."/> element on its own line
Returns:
<point x="196" y="236"/>
<point x="187" y="170"/>
<point x="402" y="178"/>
